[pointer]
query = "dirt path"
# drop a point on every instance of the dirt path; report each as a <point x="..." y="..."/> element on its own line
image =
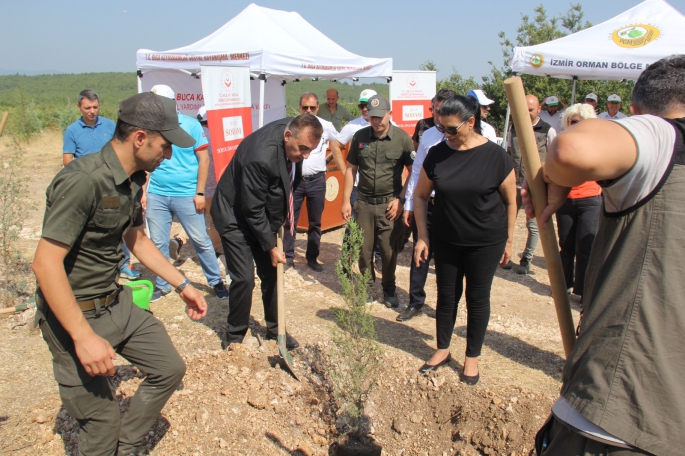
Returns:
<point x="241" y="402"/>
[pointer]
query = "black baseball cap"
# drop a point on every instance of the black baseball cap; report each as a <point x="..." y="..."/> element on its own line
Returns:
<point x="378" y="106"/>
<point x="155" y="113"/>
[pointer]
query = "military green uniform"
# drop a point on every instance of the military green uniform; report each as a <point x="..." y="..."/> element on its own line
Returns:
<point x="380" y="163"/>
<point x="90" y="205"/>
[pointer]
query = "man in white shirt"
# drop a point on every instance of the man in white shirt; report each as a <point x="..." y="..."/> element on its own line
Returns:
<point x="313" y="187"/>
<point x="487" y="130"/>
<point x="613" y="111"/>
<point x="417" y="275"/>
<point x="552" y="115"/>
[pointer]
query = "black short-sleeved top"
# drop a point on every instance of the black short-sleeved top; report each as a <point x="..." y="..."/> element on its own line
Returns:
<point x="381" y="161"/>
<point x="469" y="209"/>
<point x="90" y="204"/>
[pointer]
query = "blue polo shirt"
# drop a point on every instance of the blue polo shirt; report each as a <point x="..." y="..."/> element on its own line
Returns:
<point x="81" y="139"/>
<point x="178" y="176"/>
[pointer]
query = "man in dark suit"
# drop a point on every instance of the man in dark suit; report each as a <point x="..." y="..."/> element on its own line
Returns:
<point x="253" y="200"/>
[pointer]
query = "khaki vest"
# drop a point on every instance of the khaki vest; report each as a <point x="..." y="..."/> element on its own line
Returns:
<point x="626" y="373"/>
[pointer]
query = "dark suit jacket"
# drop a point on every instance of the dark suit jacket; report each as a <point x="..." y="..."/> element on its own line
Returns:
<point x="252" y="194"/>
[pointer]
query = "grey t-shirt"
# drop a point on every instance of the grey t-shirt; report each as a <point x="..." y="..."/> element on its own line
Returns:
<point x="654" y="138"/>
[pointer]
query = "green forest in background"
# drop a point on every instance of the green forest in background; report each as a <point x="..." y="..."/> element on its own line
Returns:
<point x="49" y="101"/>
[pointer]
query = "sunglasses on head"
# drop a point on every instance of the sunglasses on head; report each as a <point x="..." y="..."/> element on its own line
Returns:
<point x="308" y="108"/>
<point x="449" y="130"/>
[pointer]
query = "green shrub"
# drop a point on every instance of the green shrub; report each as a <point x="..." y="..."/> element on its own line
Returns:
<point x="356" y="354"/>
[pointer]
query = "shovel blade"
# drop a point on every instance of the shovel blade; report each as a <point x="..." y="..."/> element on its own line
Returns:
<point x="287" y="357"/>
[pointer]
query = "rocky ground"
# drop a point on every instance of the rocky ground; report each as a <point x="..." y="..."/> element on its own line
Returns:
<point x="242" y="401"/>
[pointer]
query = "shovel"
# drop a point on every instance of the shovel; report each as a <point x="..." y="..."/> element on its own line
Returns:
<point x="280" y="294"/>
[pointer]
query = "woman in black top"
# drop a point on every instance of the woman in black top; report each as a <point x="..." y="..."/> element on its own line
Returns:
<point x="472" y="225"/>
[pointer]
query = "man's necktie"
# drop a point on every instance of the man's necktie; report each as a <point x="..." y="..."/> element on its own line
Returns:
<point x="291" y="212"/>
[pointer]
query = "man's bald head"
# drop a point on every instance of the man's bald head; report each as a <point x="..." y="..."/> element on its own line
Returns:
<point x="533" y="107"/>
<point x="331" y="98"/>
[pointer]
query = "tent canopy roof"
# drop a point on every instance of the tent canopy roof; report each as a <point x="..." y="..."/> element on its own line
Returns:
<point x="277" y="43"/>
<point x="620" y="48"/>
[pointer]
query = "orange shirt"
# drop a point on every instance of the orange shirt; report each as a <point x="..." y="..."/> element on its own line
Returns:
<point x="585" y="190"/>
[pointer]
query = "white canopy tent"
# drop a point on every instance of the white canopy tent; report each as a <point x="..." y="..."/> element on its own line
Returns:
<point x="620" y="48"/>
<point x="275" y="45"/>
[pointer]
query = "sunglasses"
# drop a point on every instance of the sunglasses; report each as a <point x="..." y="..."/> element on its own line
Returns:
<point x="362" y="106"/>
<point x="308" y="108"/>
<point x="449" y="130"/>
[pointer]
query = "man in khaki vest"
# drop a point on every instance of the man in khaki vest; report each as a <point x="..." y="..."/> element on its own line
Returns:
<point x="622" y="389"/>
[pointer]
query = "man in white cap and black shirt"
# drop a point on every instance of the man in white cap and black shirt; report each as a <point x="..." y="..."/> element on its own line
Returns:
<point x="552" y="115"/>
<point x="487" y="130"/>
<point x="613" y="111"/>
<point x="313" y="187"/>
<point x="418" y="275"/>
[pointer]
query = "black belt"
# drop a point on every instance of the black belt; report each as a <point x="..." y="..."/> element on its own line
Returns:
<point x="313" y="176"/>
<point x="374" y="200"/>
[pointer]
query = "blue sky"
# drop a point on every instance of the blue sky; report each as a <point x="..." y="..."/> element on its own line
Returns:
<point x="75" y="36"/>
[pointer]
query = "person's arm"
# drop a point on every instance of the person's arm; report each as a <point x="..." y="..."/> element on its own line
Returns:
<point x="68" y="147"/>
<point x="350" y="174"/>
<point x="254" y="192"/>
<point x="423" y="191"/>
<point x="592" y="150"/>
<point x="202" y="171"/>
<point x="336" y="150"/>
<point x="508" y="191"/>
<point x="94" y="352"/>
<point x="395" y="207"/>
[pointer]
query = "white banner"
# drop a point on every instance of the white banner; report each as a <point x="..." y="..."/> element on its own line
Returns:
<point x="411" y="93"/>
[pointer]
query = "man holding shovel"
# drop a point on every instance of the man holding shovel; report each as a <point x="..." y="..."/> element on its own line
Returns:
<point x="622" y="383"/>
<point x="253" y="199"/>
<point x="86" y="318"/>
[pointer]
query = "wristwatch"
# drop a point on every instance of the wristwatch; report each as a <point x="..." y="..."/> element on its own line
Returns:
<point x="200" y="194"/>
<point x="182" y="286"/>
<point x="402" y="200"/>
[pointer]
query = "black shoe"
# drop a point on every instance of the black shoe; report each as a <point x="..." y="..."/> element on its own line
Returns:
<point x="524" y="267"/>
<point x="288" y="265"/>
<point x="290" y="342"/>
<point x="159" y="293"/>
<point x="470" y="380"/>
<point x="430" y="368"/>
<point x="390" y="300"/>
<point x="509" y="265"/>
<point x="316" y="267"/>
<point x="408" y="313"/>
<point x="175" y="245"/>
<point x="221" y="291"/>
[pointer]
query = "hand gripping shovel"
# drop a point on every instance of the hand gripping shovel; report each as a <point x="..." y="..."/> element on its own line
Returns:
<point x="280" y="293"/>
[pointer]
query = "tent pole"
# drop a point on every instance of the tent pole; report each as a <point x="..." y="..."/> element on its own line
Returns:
<point x="506" y="128"/>
<point x="573" y="92"/>
<point x="262" y="82"/>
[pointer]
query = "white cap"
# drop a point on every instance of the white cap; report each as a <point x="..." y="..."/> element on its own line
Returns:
<point x="202" y="114"/>
<point x="614" y="98"/>
<point x="366" y="94"/>
<point x="591" y="96"/>
<point x="163" y="90"/>
<point x="480" y="96"/>
<point x="552" y="101"/>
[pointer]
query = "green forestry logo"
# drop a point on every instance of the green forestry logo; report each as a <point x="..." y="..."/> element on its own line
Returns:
<point x="537" y="60"/>
<point x="635" y="35"/>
